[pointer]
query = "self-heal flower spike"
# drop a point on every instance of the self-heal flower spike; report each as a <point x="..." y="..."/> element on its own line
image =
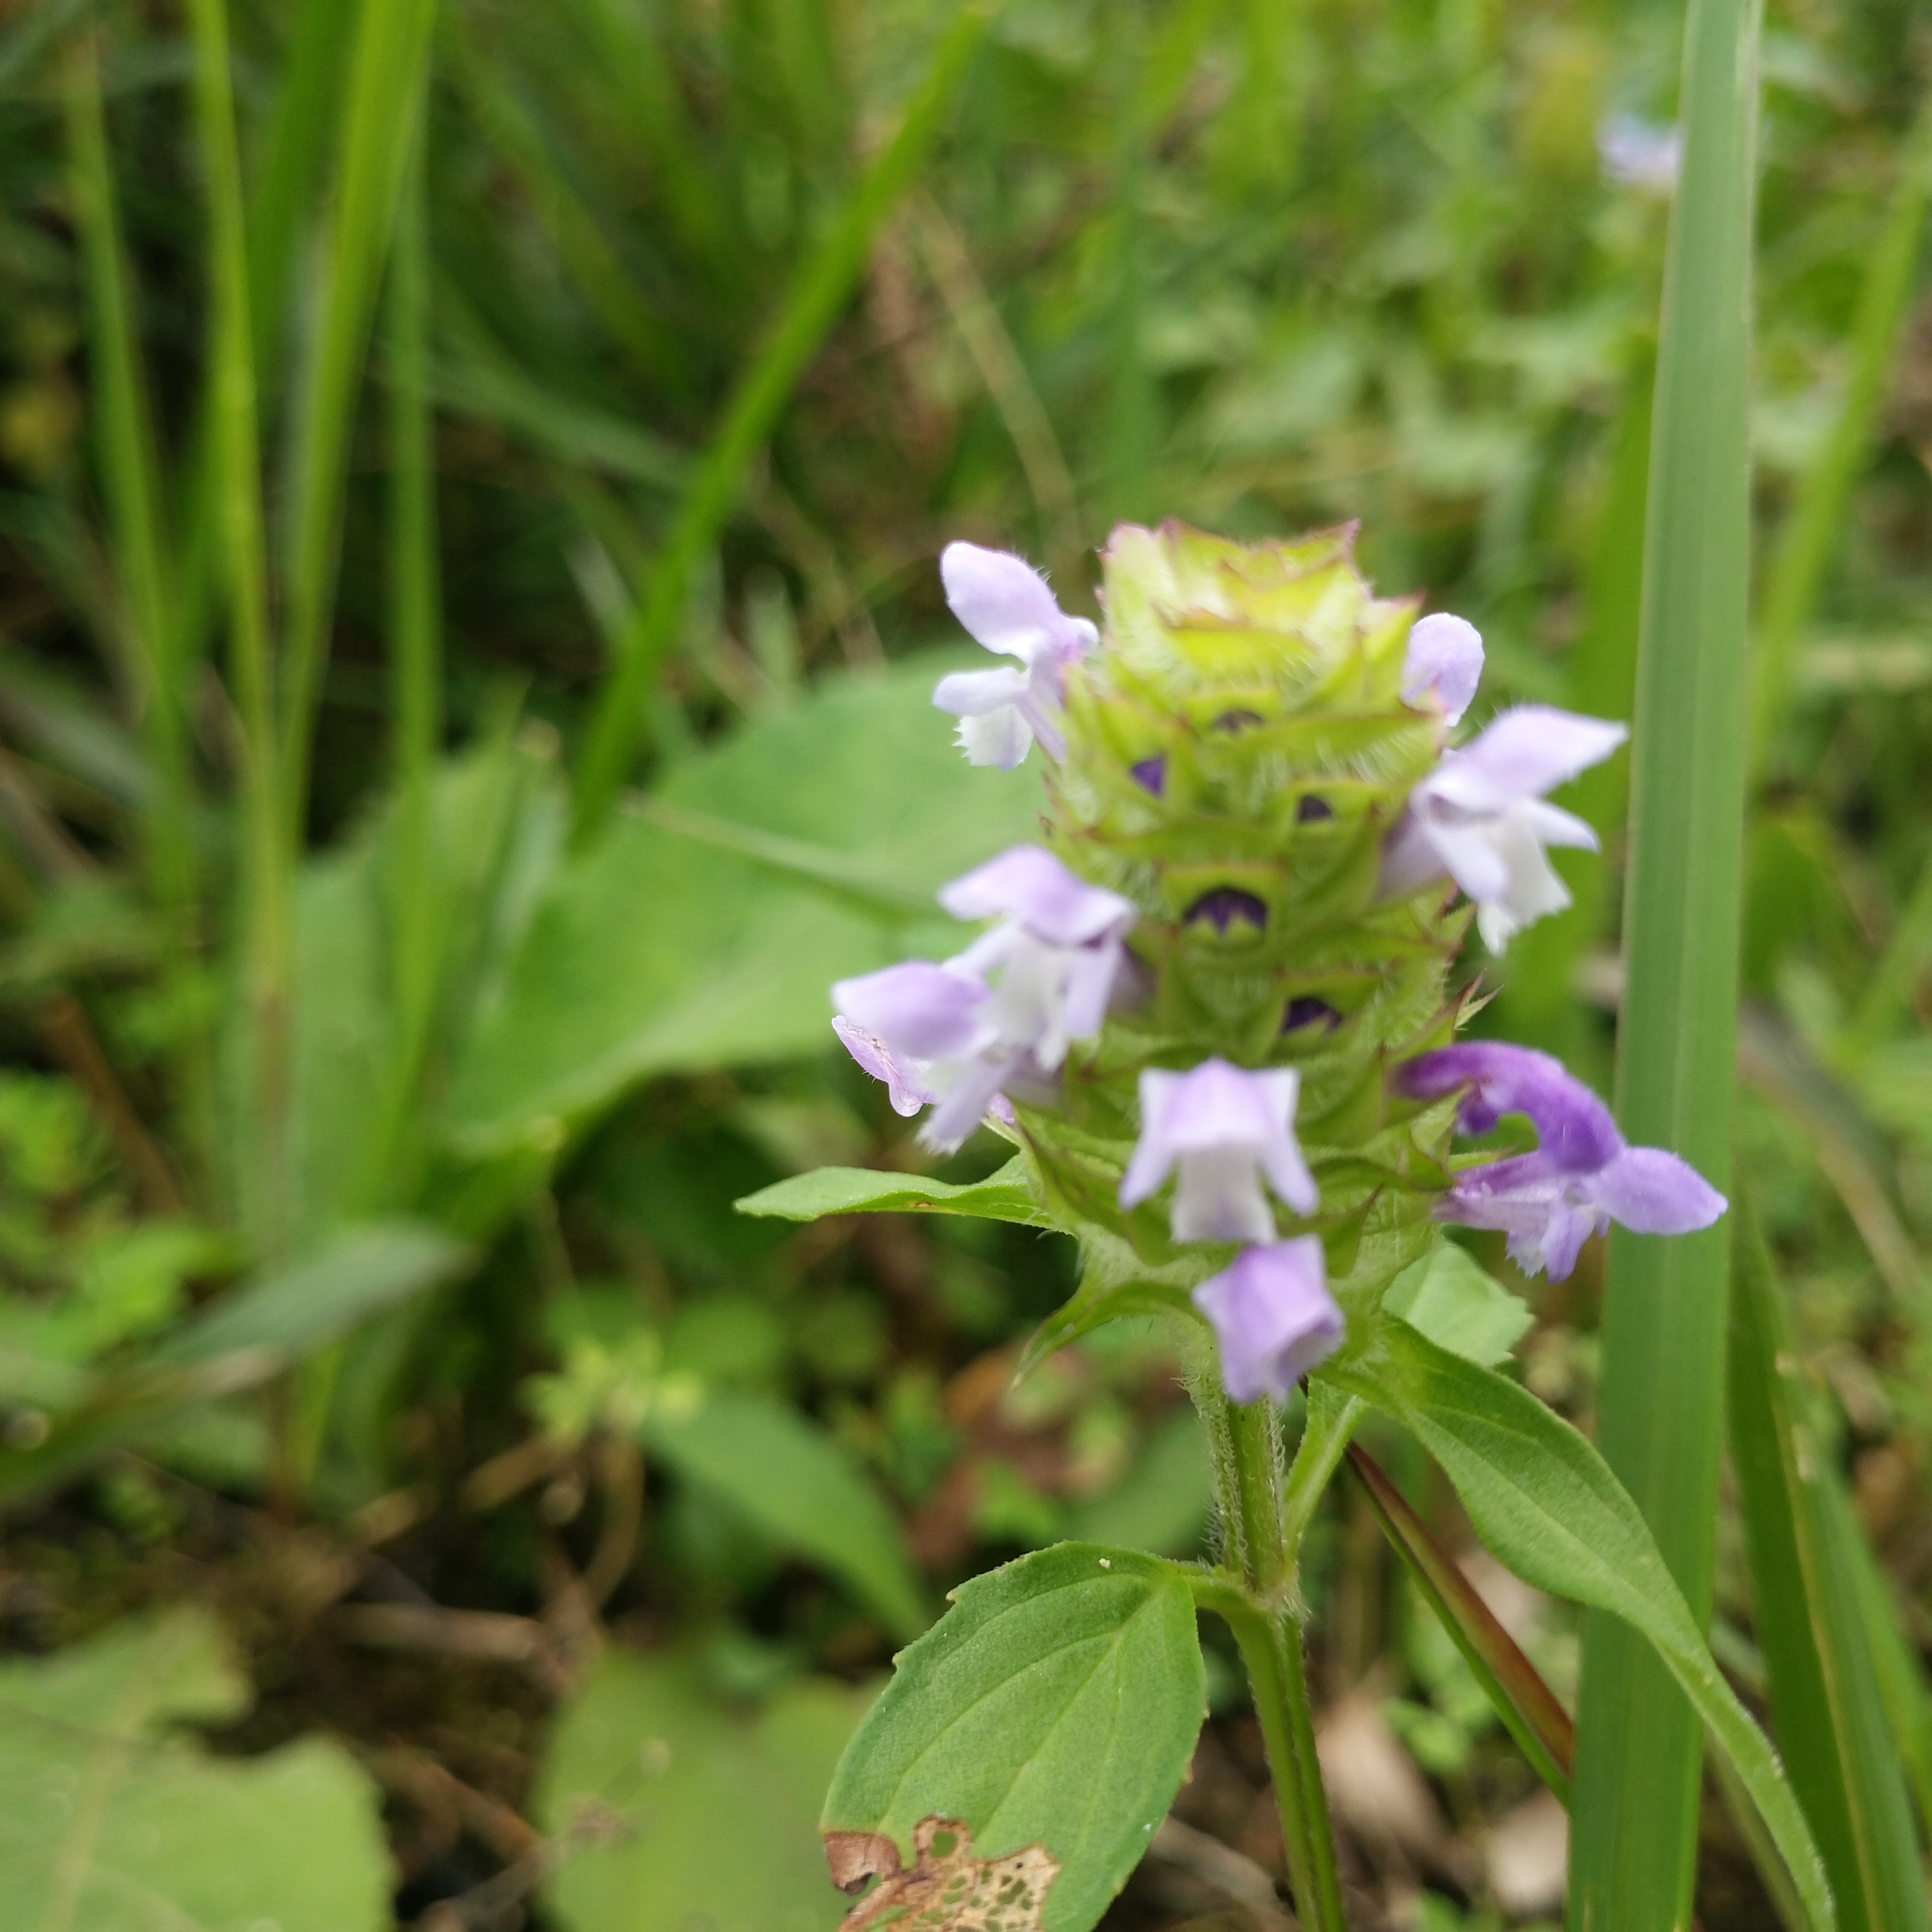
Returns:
<point x="1443" y="664"/>
<point x="1479" y="817"/>
<point x="1583" y="1174"/>
<point x="998" y="1018"/>
<point x="1273" y="1317"/>
<point x="1224" y="1129"/>
<point x="1007" y="606"/>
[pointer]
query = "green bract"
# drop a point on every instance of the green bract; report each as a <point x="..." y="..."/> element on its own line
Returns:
<point x="1237" y="752"/>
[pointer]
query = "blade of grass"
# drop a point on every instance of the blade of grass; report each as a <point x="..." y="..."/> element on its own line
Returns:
<point x="824" y="283"/>
<point x="129" y="477"/>
<point x="1633" y="1855"/>
<point x="263" y="1175"/>
<point x="386" y="68"/>
<point x="416" y="902"/>
<point x="1824" y="1694"/>
<point x="1514" y="1687"/>
<point x="1901" y="1672"/>
<point x="1809" y="539"/>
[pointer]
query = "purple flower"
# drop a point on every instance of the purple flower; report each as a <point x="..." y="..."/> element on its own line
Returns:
<point x="1273" y="1317"/>
<point x="1224" y="1128"/>
<point x="1007" y="605"/>
<point x="1639" y="154"/>
<point x="1582" y="1176"/>
<point x="1444" y="665"/>
<point x="1479" y="817"/>
<point x="998" y="1018"/>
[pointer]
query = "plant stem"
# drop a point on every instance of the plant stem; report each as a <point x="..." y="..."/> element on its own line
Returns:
<point x="1247" y="1463"/>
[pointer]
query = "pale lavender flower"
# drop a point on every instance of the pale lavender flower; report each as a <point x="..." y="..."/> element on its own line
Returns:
<point x="1224" y="1128"/>
<point x="1443" y="666"/>
<point x="1640" y="154"/>
<point x="1582" y="1176"/>
<point x="1008" y="606"/>
<point x="998" y="1018"/>
<point x="1273" y="1316"/>
<point x="1479" y="817"/>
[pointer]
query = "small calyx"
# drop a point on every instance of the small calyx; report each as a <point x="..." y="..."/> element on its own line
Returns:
<point x="948" y="1889"/>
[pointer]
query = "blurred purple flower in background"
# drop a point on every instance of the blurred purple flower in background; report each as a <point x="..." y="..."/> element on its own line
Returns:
<point x="1582" y="1176"/>
<point x="1479" y="817"/>
<point x="1444" y="664"/>
<point x="1224" y="1128"/>
<point x="1273" y="1317"/>
<point x="1008" y="606"/>
<point x="1640" y="154"/>
<point x="999" y="1017"/>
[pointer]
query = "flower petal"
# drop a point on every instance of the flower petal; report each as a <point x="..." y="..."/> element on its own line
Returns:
<point x="917" y="1009"/>
<point x="1006" y="604"/>
<point x="1273" y="1316"/>
<point x="1575" y="1133"/>
<point x="1002" y="738"/>
<point x="1027" y="882"/>
<point x="904" y="1089"/>
<point x="1444" y="664"/>
<point x="1652" y="1192"/>
<point x="1523" y="754"/>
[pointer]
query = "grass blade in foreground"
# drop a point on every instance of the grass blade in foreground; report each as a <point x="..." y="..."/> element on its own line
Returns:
<point x="1633" y="1859"/>
<point x="1807" y="1597"/>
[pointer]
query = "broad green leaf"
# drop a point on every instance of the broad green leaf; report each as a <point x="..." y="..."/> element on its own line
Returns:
<point x="678" y="1810"/>
<point x="1448" y="1296"/>
<point x="1543" y="1500"/>
<point x="654" y="952"/>
<point x="1056" y="1704"/>
<point x="1003" y="1196"/>
<point x="1810" y="1618"/>
<point x="800" y="1488"/>
<point x="111" y="1821"/>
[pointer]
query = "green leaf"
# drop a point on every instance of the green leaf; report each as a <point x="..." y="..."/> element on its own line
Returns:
<point x="1659" y="1405"/>
<point x="1810" y="1617"/>
<point x="1543" y="1500"/>
<point x="654" y="952"/>
<point x="713" y="1808"/>
<point x="801" y="1488"/>
<point x="1448" y="1296"/>
<point x="1056" y="1704"/>
<point x="111" y="1822"/>
<point x="1003" y="1196"/>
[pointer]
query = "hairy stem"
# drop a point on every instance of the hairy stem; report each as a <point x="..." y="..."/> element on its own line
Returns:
<point x="1247" y="1465"/>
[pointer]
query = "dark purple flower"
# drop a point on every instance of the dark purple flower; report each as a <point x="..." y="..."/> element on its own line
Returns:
<point x="1220" y="906"/>
<point x="1273" y="1316"/>
<point x="1008" y="606"/>
<point x="1305" y="1009"/>
<point x="1310" y="810"/>
<point x="1582" y="1176"/>
<point x="1150" y="773"/>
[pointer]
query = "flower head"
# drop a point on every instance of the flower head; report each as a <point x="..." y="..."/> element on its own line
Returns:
<point x="1479" y="817"/>
<point x="999" y="1017"/>
<point x="1582" y="1176"/>
<point x="1443" y="664"/>
<point x="1224" y="1128"/>
<point x="1007" y="606"/>
<point x="1273" y="1317"/>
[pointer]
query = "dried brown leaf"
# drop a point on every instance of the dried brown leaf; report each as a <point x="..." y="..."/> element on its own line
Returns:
<point x="948" y="1888"/>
